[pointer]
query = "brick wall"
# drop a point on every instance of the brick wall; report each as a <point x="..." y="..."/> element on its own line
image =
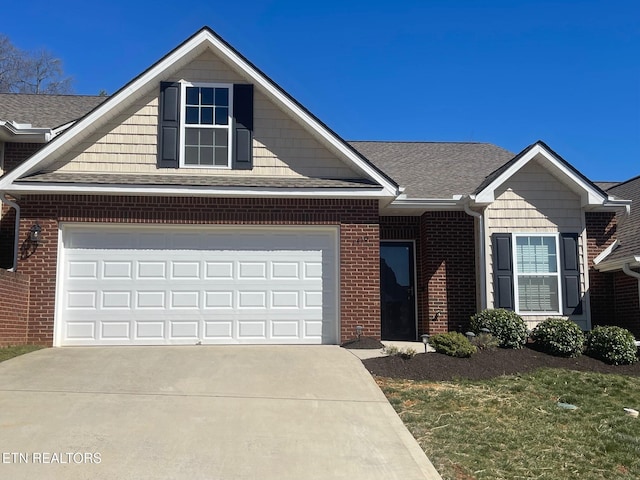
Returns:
<point x="627" y="302"/>
<point x="449" y="271"/>
<point x="14" y="308"/>
<point x="601" y="232"/>
<point x="359" y="241"/>
<point x="16" y="153"/>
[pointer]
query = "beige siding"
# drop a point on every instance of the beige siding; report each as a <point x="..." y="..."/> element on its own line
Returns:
<point x="534" y="201"/>
<point x="127" y="144"/>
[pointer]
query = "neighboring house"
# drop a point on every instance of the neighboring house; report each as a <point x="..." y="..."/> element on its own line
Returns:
<point x="203" y="204"/>
<point x="622" y="261"/>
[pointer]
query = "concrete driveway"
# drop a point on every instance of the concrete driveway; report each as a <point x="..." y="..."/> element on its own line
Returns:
<point x="200" y="412"/>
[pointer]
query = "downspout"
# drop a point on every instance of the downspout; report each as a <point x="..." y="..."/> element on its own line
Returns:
<point x="626" y="269"/>
<point x="16" y="240"/>
<point x="483" y="280"/>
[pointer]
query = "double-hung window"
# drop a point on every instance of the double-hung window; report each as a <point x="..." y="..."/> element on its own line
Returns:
<point x="207" y="133"/>
<point x="537" y="274"/>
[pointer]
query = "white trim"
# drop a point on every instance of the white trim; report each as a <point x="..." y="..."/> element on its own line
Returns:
<point x="606" y="252"/>
<point x="612" y="265"/>
<point x="590" y="196"/>
<point x="24" y="132"/>
<point x="480" y="254"/>
<point x="516" y="273"/>
<point x="415" y="283"/>
<point x="184" y="125"/>
<point x="200" y="42"/>
<point x="202" y="191"/>
<point x="584" y="271"/>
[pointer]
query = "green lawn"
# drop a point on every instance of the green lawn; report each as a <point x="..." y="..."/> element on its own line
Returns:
<point x="512" y="428"/>
<point x="9" y="352"/>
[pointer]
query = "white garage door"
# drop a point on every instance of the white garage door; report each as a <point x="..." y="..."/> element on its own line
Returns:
<point x="128" y="285"/>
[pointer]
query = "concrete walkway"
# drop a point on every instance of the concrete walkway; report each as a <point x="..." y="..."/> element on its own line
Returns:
<point x="200" y="413"/>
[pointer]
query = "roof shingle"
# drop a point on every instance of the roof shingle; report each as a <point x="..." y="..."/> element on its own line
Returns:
<point x="629" y="229"/>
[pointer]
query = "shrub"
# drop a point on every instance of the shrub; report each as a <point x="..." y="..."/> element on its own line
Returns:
<point x="614" y="345"/>
<point x="507" y="326"/>
<point x="485" y="341"/>
<point x="453" y="344"/>
<point x="559" y="337"/>
<point x="406" y="353"/>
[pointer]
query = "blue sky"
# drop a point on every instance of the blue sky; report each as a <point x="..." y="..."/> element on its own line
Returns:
<point x="506" y="72"/>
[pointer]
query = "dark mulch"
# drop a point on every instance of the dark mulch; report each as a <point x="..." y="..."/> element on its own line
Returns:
<point x="486" y="364"/>
<point x="367" y="343"/>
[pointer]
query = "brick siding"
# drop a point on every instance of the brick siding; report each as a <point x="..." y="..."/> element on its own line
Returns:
<point x="627" y="302"/>
<point x="601" y="232"/>
<point x="357" y="219"/>
<point x="14" y="308"/>
<point x="16" y="153"/>
<point x="449" y="270"/>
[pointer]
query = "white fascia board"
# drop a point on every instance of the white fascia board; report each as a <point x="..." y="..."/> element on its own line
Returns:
<point x="606" y="252"/>
<point x="200" y="191"/>
<point x="605" y="266"/>
<point x="590" y="196"/>
<point x="202" y="40"/>
<point x="454" y="202"/>
<point x="23" y="132"/>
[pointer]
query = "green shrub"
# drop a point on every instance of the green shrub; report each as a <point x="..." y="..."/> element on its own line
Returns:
<point x="453" y="344"/>
<point x="507" y="326"/>
<point x="485" y="341"/>
<point x="614" y="345"/>
<point x="405" y="353"/>
<point x="559" y="337"/>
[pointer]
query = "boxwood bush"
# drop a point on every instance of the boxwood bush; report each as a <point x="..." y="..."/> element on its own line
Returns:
<point x="507" y="326"/>
<point x="614" y="345"/>
<point x="559" y="337"/>
<point x="453" y="344"/>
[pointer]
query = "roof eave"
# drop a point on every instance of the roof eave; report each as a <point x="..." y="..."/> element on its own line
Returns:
<point x="23" y="133"/>
<point x="195" y="190"/>
<point x="618" y="264"/>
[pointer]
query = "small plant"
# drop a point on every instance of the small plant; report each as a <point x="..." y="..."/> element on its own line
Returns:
<point x="559" y="337"/>
<point x="614" y="345"/>
<point x="485" y="341"/>
<point x="453" y="344"/>
<point x="507" y="326"/>
<point x="406" y="353"/>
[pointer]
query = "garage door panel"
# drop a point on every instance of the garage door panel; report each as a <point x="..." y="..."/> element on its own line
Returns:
<point x="253" y="288"/>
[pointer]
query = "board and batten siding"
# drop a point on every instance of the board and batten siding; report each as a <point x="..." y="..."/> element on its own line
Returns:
<point x="127" y="144"/>
<point x="534" y="201"/>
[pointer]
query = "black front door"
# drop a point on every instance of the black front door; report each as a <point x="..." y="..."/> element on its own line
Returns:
<point x="397" y="291"/>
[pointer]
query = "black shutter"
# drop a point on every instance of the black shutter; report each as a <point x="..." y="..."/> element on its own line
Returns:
<point x="169" y="125"/>
<point x="503" y="271"/>
<point x="243" y="126"/>
<point x="570" y="274"/>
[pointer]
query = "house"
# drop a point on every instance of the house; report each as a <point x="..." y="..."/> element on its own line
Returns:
<point x="201" y="203"/>
<point x="621" y="262"/>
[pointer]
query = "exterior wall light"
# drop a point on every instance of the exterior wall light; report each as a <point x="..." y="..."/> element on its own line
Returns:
<point x="34" y="233"/>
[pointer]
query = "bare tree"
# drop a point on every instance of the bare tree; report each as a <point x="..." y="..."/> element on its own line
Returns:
<point x="31" y="72"/>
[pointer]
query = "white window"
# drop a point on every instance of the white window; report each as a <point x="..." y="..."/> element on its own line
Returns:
<point x="206" y="127"/>
<point x="537" y="274"/>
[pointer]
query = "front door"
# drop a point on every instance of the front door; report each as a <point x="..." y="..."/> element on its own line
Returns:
<point x="397" y="291"/>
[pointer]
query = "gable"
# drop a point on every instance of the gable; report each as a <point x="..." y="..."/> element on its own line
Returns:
<point x="121" y="135"/>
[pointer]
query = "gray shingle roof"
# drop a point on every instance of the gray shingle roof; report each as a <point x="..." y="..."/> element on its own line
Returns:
<point x="194" y="181"/>
<point x="46" y="111"/>
<point x="435" y="169"/>
<point x="629" y="230"/>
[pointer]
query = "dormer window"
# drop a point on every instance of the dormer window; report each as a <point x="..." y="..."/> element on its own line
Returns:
<point x="205" y="125"/>
<point x="207" y="131"/>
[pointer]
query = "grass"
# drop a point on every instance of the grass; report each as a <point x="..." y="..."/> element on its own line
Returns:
<point x="512" y="428"/>
<point x="9" y="352"/>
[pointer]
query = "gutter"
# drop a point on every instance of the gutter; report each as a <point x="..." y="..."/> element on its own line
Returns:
<point x="16" y="240"/>
<point x="483" y="279"/>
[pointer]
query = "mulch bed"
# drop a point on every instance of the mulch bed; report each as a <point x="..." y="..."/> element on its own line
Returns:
<point x="486" y="364"/>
